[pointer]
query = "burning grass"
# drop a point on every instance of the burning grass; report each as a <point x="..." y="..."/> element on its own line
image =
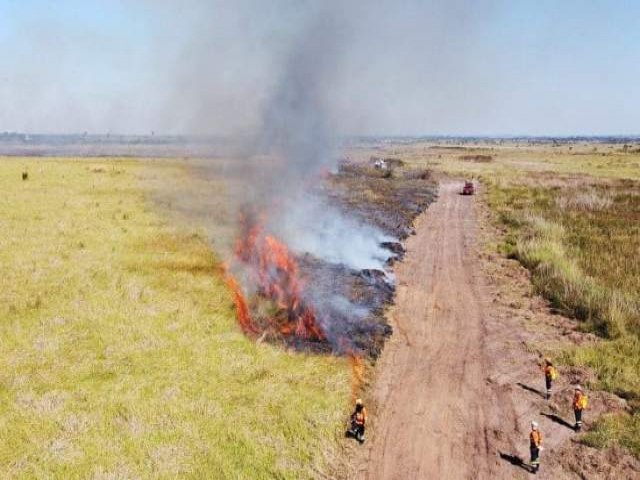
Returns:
<point x="121" y="356"/>
<point x="305" y="302"/>
<point x="279" y="309"/>
<point x="319" y="304"/>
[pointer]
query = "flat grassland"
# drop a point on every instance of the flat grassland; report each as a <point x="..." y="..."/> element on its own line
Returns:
<point x="570" y="213"/>
<point x="120" y="356"/>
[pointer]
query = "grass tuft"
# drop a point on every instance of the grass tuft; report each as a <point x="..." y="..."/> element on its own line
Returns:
<point x="615" y="429"/>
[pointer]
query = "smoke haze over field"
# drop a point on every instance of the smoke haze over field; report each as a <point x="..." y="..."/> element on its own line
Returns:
<point x="296" y="142"/>
<point x="414" y="67"/>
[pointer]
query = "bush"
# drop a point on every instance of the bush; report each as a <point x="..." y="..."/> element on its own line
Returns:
<point x="619" y="428"/>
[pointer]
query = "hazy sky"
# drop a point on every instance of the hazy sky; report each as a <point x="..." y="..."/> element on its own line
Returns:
<point x="402" y="67"/>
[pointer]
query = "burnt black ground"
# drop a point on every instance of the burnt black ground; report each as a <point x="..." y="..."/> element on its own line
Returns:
<point x="389" y="200"/>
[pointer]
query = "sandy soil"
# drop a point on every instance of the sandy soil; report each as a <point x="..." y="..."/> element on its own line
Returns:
<point x="458" y="384"/>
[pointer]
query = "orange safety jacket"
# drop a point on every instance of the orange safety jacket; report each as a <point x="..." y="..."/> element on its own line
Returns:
<point x="548" y="371"/>
<point x="579" y="401"/>
<point x="535" y="437"/>
<point x="360" y="417"/>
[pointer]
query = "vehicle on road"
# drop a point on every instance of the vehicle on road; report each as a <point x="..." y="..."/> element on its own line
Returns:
<point x="469" y="188"/>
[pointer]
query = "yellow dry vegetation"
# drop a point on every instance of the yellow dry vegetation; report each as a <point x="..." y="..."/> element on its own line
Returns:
<point x="119" y="352"/>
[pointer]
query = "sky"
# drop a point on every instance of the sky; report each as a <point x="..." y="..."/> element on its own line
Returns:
<point x="379" y="67"/>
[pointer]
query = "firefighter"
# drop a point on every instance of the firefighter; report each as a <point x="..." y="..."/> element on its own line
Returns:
<point x="359" y="420"/>
<point x="579" y="404"/>
<point x="550" y="374"/>
<point x="535" y="445"/>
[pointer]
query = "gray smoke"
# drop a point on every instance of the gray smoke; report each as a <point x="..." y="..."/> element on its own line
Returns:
<point x="310" y="225"/>
<point x="297" y="141"/>
<point x="297" y="120"/>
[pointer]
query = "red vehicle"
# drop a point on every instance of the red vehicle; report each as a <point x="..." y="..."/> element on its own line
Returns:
<point x="469" y="188"/>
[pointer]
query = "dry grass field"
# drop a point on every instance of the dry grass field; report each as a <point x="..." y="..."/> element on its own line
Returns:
<point x="120" y="356"/>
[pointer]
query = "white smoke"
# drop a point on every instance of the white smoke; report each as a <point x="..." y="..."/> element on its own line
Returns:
<point x="310" y="225"/>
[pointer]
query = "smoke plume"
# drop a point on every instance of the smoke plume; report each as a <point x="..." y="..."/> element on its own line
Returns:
<point x="299" y="141"/>
<point x="302" y="140"/>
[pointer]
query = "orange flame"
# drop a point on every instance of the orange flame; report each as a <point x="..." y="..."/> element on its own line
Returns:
<point x="274" y="272"/>
<point x="242" y="309"/>
<point x="357" y="375"/>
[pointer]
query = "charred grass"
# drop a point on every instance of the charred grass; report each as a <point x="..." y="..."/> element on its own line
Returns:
<point x="390" y="198"/>
<point x="120" y="356"/>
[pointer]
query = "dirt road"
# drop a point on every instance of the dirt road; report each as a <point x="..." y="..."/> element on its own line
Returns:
<point x="445" y="401"/>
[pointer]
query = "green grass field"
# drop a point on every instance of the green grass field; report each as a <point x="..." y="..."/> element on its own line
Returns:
<point x="119" y="352"/>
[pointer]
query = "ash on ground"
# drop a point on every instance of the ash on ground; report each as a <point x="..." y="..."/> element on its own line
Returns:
<point x="384" y="193"/>
<point x="389" y="198"/>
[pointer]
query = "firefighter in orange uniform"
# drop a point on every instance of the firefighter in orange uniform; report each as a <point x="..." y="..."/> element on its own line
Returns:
<point x="579" y="404"/>
<point x="535" y="445"/>
<point x="550" y="374"/>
